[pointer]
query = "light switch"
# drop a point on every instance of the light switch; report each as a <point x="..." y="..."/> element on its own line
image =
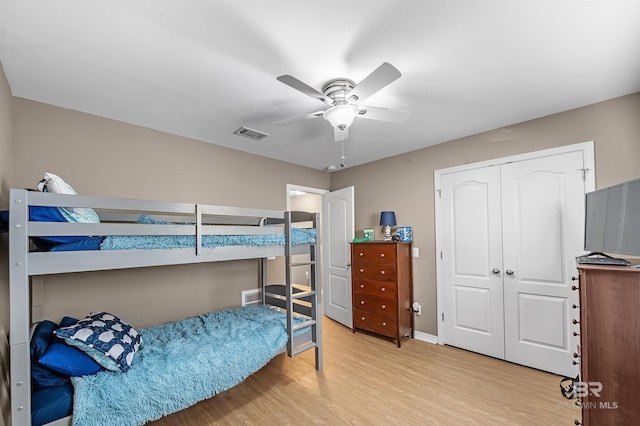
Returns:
<point x="415" y="252"/>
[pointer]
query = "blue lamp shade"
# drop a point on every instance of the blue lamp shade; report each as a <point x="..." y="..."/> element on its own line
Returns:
<point x="387" y="219"/>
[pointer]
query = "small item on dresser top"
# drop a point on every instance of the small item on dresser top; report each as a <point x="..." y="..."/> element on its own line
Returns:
<point x="369" y="234"/>
<point x="405" y="234"/>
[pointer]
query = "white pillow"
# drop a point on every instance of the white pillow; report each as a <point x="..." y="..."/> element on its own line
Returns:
<point x="57" y="185"/>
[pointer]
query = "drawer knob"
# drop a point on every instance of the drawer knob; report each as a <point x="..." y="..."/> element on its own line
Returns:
<point x="361" y="285"/>
<point x="383" y="289"/>
<point x="361" y="270"/>
<point x="361" y="254"/>
<point x="384" y="306"/>
<point x="384" y="324"/>
<point x="362" y="302"/>
<point x="381" y="272"/>
<point x="363" y="318"/>
<point x="381" y="254"/>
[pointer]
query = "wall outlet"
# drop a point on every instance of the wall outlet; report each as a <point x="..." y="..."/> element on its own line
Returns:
<point x="417" y="308"/>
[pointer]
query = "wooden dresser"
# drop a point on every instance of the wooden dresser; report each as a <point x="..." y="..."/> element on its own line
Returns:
<point x="382" y="275"/>
<point x="609" y="344"/>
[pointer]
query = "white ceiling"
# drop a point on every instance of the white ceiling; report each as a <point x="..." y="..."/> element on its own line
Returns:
<point x="203" y="68"/>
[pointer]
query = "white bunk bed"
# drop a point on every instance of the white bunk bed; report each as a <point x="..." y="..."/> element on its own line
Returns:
<point x="118" y="218"/>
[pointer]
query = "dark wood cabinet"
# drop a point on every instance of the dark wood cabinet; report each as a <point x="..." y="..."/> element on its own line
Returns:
<point x="382" y="276"/>
<point x="609" y="345"/>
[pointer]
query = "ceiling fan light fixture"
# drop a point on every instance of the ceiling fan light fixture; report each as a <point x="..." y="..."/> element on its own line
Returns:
<point x="341" y="116"/>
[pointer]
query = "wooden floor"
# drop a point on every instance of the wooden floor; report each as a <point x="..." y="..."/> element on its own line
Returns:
<point x="367" y="380"/>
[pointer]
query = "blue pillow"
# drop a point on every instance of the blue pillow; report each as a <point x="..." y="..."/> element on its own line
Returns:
<point x="41" y="376"/>
<point x="107" y="339"/>
<point x="88" y="243"/>
<point x="50" y="214"/>
<point x="66" y="359"/>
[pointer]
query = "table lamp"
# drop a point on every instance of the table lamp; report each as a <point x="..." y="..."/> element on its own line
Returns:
<point x="387" y="219"/>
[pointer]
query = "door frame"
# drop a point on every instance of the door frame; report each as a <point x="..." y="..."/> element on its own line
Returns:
<point x="320" y="192"/>
<point x="307" y="189"/>
<point x="587" y="149"/>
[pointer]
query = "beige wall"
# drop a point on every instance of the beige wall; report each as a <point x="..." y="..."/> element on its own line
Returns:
<point x="109" y="158"/>
<point x="103" y="157"/>
<point x="404" y="183"/>
<point x="6" y="145"/>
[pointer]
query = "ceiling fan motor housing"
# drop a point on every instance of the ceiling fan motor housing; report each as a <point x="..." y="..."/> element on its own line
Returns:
<point x="337" y="89"/>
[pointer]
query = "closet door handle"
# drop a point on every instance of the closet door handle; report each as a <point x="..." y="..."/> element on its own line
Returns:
<point x="495" y="271"/>
<point x="509" y="272"/>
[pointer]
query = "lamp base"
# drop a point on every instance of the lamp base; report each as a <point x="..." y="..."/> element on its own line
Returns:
<point x="387" y="233"/>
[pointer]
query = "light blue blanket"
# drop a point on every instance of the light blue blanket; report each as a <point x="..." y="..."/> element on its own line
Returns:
<point x="146" y="242"/>
<point x="180" y="364"/>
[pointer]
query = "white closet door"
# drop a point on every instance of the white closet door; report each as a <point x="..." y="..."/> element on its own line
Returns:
<point x="472" y="259"/>
<point x="543" y="213"/>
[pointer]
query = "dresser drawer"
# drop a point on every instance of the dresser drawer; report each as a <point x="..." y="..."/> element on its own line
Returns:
<point x="375" y="304"/>
<point x="379" y="288"/>
<point x="373" y="271"/>
<point x="377" y="323"/>
<point x="380" y="253"/>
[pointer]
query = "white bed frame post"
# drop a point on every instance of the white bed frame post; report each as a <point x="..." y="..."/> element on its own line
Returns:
<point x="19" y="315"/>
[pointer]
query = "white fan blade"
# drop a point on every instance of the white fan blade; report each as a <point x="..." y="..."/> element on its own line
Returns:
<point x="382" y="114"/>
<point x="305" y="88"/>
<point x="340" y="135"/>
<point x="379" y="78"/>
<point x="299" y="118"/>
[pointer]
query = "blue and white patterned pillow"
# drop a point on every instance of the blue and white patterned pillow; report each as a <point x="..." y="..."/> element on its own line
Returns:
<point x="107" y="339"/>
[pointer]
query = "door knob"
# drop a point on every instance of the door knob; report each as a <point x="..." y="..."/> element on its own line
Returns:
<point x="509" y="272"/>
<point x="495" y="271"/>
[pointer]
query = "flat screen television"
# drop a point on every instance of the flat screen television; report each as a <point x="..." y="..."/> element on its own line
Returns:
<point x="612" y="220"/>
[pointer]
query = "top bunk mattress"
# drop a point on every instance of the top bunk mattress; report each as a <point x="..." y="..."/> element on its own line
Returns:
<point x="299" y="236"/>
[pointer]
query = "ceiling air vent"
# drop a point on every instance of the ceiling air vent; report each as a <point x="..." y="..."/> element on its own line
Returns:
<point x="250" y="133"/>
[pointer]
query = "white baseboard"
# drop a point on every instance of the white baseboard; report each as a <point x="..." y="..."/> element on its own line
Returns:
<point x="426" y="337"/>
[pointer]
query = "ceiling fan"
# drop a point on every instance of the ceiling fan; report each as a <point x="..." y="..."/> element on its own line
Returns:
<point x="343" y="97"/>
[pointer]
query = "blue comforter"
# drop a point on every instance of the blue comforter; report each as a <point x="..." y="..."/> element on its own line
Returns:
<point x="146" y="242"/>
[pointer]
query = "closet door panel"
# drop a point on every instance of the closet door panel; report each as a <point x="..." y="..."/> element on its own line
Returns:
<point x="472" y="249"/>
<point x="543" y="206"/>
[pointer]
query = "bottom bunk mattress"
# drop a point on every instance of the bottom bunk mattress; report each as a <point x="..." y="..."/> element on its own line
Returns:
<point x="181" y="363"/>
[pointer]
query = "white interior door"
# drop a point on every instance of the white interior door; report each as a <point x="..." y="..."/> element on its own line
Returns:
<point x="471" y="260"/>
<point x="543" y="216"/>
<point x="337" y="233"/>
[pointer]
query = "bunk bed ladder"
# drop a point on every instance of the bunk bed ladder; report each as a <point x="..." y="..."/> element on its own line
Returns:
<point x="305" y="301"/>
